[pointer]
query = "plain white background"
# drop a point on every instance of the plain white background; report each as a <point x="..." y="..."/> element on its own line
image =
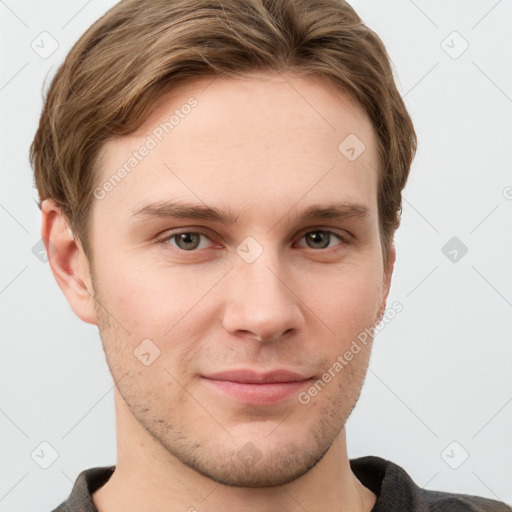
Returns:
<point x="439" y="388"/>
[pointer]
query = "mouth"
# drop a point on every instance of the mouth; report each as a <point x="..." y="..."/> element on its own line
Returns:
<point x="250" y="387"/>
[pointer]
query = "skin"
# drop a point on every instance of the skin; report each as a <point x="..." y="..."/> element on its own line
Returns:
<point x="256" y="147"/>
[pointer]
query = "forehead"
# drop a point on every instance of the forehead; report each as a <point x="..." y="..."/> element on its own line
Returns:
<point x="266" y="139"/>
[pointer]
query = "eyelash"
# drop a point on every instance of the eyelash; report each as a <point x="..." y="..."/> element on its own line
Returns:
<point x="169" y="236"/>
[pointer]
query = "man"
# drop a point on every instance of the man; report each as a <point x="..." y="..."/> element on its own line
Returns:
<point x="220" y="186"/>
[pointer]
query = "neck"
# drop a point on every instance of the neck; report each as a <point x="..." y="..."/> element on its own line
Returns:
<point x="147" y="476"/>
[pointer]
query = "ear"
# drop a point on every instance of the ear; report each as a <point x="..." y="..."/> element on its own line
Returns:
<point x="67" y="261"/>
<point x="388" y="273"/>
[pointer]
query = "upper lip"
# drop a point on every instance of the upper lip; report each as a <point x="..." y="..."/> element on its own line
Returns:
<point x="254" y="377"/>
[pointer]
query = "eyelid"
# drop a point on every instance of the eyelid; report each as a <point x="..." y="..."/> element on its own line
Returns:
<point x="171" y="234"/>
<point x="341" y="233"/>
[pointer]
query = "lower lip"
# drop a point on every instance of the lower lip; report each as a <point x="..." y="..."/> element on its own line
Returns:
<point x="263" y="394"/>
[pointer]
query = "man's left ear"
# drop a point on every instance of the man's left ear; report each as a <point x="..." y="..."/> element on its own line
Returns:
<point x="388" y="272"/>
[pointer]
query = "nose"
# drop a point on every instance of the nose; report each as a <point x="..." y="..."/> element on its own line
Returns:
<point x="262" y="304"/>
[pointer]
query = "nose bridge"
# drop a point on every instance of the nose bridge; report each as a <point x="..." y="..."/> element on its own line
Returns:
<point x="264" y="281"/>
<point x="261" y="300"/>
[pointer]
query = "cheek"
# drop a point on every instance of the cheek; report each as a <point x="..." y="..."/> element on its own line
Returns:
<point x="149" y="300"/>
<point x="157" y="304"/>
<point x="345" y="301"/>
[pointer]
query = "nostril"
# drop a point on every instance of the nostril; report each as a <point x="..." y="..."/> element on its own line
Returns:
<point x="275" y="338"/>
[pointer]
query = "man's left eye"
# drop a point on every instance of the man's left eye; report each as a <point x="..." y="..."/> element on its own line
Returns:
<point x="320" y="239"/>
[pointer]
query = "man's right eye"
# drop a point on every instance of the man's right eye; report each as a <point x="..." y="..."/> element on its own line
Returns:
<point x="186" y="240"/>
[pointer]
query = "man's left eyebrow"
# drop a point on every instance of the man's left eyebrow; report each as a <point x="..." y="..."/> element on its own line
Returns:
<point x="333" y="211"/>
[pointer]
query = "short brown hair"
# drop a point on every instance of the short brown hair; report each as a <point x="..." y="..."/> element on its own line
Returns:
<point x="140" y="49"/>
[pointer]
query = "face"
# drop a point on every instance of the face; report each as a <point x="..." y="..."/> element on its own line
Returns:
<point x="234" y="265"/>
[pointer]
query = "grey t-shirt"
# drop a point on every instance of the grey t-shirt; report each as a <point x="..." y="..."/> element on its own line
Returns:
<point x="395" y="490"/>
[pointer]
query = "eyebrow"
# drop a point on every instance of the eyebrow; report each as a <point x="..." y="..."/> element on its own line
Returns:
<point x="183" y="210"/>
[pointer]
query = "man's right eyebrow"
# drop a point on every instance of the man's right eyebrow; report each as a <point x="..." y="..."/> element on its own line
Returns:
<point x="183" y="210"/>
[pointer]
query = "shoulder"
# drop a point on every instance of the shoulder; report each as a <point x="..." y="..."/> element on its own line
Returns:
<point x="88" y="481"/>
<point x="397" y="492"/>
<point x="444" y="501"/>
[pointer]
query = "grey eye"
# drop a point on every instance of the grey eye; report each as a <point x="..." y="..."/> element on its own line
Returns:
<point x="188" y="241"/>
<point x="320" y="239"/>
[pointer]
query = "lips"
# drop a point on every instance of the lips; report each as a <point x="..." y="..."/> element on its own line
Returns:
<point x="251" y="387"/>
<point x="253" y="377"/>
